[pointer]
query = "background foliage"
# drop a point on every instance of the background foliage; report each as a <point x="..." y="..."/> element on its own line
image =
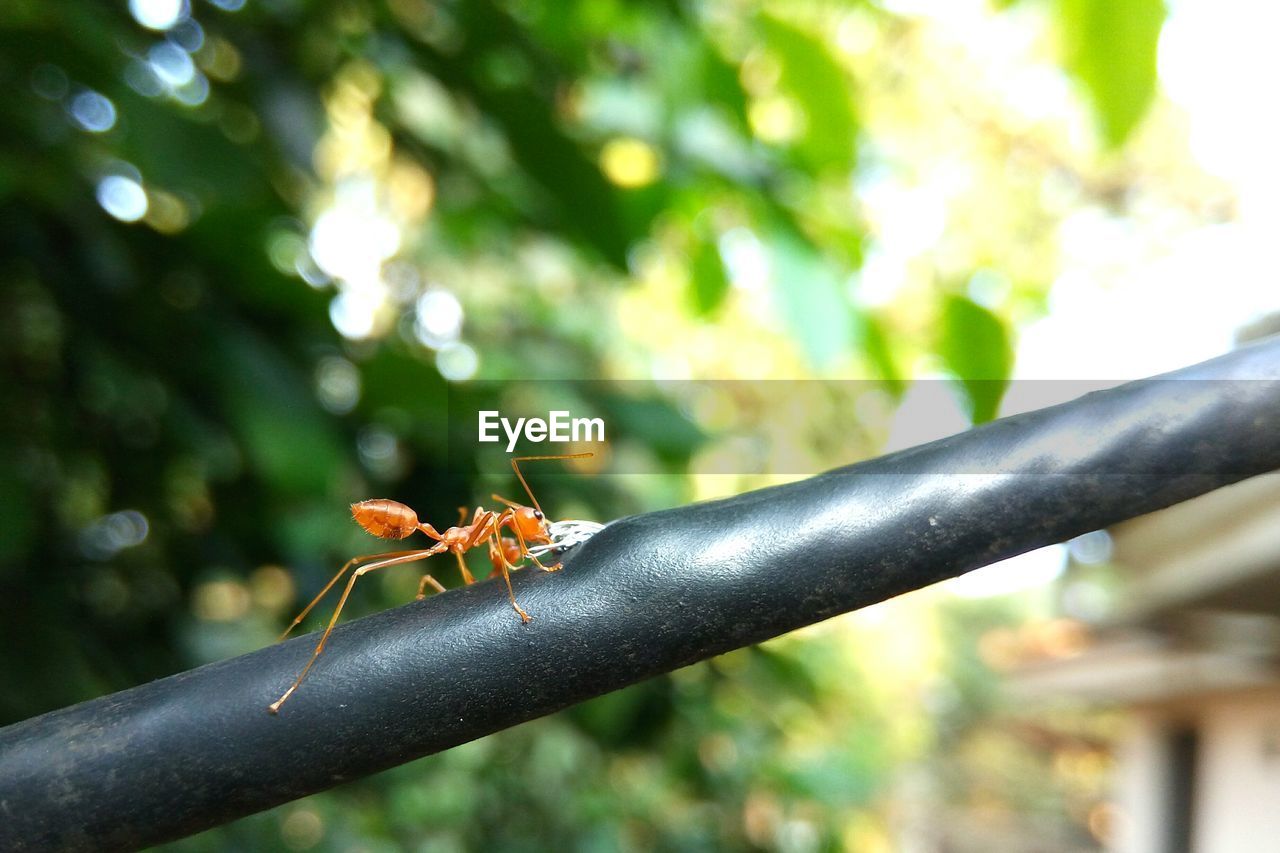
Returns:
<point x="245" y="250"/>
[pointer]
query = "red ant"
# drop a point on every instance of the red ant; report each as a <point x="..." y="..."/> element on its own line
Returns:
<point x="390" y="519"/>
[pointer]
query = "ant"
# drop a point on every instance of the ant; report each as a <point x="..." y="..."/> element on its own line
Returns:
<point x="388" y="519"/>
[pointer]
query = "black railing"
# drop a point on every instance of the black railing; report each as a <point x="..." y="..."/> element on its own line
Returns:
<point x="648" y="594"/>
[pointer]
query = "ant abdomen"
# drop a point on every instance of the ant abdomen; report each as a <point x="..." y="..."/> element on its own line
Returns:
<point x="386" y="519"/>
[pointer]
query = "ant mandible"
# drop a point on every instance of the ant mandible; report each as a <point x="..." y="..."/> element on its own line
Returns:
<point x="388" y="519"/>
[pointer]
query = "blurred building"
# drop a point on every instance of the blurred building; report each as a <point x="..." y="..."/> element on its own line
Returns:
<point x="1190" y="649"/>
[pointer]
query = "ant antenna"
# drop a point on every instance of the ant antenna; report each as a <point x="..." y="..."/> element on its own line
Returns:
<point x="516" y="467"/>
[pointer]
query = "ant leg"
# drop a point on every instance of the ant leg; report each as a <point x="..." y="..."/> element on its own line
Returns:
<point x="410" y="557"/>
<point x="509" y="521"/>
<point x="467" y="577"/>
<point x="354" y="561"/>
<point x="481" y="524"/>
<point x="422" y="585"/>
<point x="524" y="551"/>
<point x="500" y="562"/>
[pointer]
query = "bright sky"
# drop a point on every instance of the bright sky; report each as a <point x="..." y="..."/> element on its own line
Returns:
<point x="1133" y="298"/>
<point x="1124" y="308"/>
<point x="1143" y="311"/>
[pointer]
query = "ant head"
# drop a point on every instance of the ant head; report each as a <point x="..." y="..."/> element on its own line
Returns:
<point x="532" y="524"/>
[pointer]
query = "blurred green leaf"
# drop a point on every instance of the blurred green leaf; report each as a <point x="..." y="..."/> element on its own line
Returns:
<point x="974" y="345"/>
<point x="813" y="77"/>
<point x="574" y="194"/>
<point x="655" y="421"/>
<point x="166" y="146"/>
<point x="720" y="83"/>
<point x="627" y="718"/>
<point x="1110" y="48"/>
<point x="708" y="283"/>
<point x="879" y="350"/>
<point x="280" y="425"/>
<point x="17" y="516"/>
<point x="812" y="299"/>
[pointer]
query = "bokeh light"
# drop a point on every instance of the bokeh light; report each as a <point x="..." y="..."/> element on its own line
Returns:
<point x="457" y="361"/>
<point x="438" y="318"/>
<point x="337" y="384"/>
<point x="158" y="14"/>
<point x="50" y="82"/>
<point x="123" y="197"/>
<point x="351" y="240"/>
<point x="221" y="600"/>
<point x="171" y="64"/>
<point x="188" y="35"/>
<point x="630" y="163"/>
<point x="355" y="310"/>
<point x="106" y="536"/>
<point x="93" y="112"/>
